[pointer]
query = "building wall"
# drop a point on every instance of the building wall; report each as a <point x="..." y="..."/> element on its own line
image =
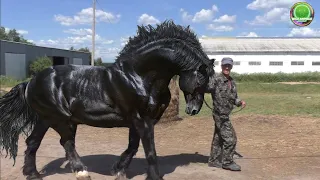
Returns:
<point x="32" y="52"/>
<point x="264" y="63"/>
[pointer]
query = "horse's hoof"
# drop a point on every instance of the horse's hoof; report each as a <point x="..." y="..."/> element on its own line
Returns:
<point x="121" y="176"/>
<point x="83" y="175"/>
<point x="34" y="177"/>
<point x="115" y="169"/>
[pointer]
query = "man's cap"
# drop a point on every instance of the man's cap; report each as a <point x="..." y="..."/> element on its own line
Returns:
<point x="227" y="60"/>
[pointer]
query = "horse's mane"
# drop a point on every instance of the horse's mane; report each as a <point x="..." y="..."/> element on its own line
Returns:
<point x="166" y="32"/>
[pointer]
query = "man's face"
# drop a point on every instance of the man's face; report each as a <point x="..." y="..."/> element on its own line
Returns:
<point x="226" y="68"/>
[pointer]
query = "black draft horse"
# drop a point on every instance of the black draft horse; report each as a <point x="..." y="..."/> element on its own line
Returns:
<point x="132" y="93"/>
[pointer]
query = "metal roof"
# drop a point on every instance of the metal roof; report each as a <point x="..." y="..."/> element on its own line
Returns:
<point x="76" y="51"/>
<point x="273" y="44"/>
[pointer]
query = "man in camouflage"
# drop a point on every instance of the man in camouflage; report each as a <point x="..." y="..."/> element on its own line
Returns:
<point x="224" y="95"/>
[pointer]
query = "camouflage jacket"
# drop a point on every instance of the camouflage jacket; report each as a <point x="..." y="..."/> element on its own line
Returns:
<point x="224" y="98"/>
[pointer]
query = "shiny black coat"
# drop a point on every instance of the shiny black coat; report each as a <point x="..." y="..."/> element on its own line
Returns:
<point x="133" y="93"/>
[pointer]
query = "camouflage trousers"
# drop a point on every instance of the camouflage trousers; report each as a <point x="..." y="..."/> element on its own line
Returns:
<point x="224" y="140"/>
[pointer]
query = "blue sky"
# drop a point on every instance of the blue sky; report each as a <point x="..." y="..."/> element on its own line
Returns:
<point x="66" y="23"/>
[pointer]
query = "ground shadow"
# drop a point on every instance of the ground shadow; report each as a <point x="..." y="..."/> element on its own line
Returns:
<point x="101" y="164"/>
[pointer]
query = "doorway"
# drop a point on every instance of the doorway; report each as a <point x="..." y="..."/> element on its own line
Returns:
<point x="56" y="60"/>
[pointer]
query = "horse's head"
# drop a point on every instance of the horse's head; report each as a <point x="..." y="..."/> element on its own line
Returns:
<point x="193" y="84"/>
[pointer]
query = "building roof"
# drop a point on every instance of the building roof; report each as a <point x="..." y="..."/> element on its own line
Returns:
<point x="43" y="46"/>
<point x="273" y="44"/>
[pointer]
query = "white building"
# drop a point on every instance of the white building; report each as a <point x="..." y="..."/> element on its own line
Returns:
<point x="271" y="55"/>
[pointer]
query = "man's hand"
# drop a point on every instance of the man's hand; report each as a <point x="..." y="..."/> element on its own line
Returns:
<point x="243" y="104"/>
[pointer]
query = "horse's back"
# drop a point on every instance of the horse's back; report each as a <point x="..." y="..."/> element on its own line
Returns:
<point x="54" y="89"/>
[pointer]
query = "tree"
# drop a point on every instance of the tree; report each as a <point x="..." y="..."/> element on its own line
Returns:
<point x="12" y="35"/>
<point x="98" y="62"/>
<point x="86" y="49"/>
<point x="40" y="64"/>
<point x="3" y="34"/>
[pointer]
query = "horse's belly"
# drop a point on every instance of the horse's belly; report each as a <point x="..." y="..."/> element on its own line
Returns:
<point x="108" y="120"/>
<point x="98" y="114"/>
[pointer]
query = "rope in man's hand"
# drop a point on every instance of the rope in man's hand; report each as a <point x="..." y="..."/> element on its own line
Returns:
<point x="212" y="108"/>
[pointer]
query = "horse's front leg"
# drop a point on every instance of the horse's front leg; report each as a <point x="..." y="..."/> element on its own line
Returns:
<point x="145" y="127"/>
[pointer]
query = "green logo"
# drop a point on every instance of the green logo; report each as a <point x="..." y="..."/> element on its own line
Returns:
<point x="301" y="14"/>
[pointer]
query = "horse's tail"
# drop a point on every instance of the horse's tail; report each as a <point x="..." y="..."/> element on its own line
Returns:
<point x="15" y="117"/>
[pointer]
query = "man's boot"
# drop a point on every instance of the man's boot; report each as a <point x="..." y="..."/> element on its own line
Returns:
<point x="232" y="167"/>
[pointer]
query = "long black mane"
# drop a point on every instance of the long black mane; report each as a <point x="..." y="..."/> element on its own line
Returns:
<point x="166" y="33"/>
<point x="132" y="93"/>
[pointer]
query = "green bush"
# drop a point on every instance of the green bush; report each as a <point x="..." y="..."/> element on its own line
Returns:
<point x="40" y="64"/>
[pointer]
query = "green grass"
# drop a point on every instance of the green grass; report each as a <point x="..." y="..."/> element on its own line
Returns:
<point x="272" y="99"/>
<point x="277" y="77"/>
<point x="9" y="82"/>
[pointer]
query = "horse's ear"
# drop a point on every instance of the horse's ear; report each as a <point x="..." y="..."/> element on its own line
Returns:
<point x="212" y="60"/>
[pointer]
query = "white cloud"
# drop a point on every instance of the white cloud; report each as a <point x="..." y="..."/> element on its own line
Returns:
<point x="124" y="41"/>
<point x="304" y="32"/>
<point x="248" y="34"/>
<point x="273" y="11"/>
<point x="104" y="47"/>
<point x="22" y="32"/>
<point x="107" y="54"/>
<point x="146" y="19"/>
<point x="185" y="16"/>
<point x="75" y="41"/>
<point x="226" y="19"/>
<point x="79" y="32"/>
<point x="204" y="15"/>
<point x="272" y="16"/>
<point x="220" y="28"/>
<point x="268" y="4"/>
<point x="85" y="16"/>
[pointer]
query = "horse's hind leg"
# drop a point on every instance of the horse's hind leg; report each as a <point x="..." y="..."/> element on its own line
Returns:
<point x="33" y="143"/>
<point x="119" y="167"/>
<point x="67" y="134"/>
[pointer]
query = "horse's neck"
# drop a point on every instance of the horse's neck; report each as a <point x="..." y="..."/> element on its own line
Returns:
<point x="149" y="78"/>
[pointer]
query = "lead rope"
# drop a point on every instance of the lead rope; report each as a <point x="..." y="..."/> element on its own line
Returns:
<point x="212" y="108"/>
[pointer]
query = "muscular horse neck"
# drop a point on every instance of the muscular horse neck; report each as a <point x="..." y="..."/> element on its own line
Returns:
<point x="157" y="54"/>
<point x="156" y="67"/>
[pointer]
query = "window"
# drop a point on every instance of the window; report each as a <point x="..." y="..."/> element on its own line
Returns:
<point x="276" y="63"/>
<point x="315" y="63"/>
<point x="236" y="63"/>
<point x="254" y="63"/>
<point x="298" y="63"/>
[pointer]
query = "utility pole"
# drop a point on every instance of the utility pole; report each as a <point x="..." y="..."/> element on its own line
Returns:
<point x="93" y="32"/>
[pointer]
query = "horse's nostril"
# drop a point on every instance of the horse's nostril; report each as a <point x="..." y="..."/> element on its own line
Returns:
<point x="194" y="112"/>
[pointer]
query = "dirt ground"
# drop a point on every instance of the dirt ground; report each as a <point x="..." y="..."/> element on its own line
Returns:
<point x="273" y="147"/>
